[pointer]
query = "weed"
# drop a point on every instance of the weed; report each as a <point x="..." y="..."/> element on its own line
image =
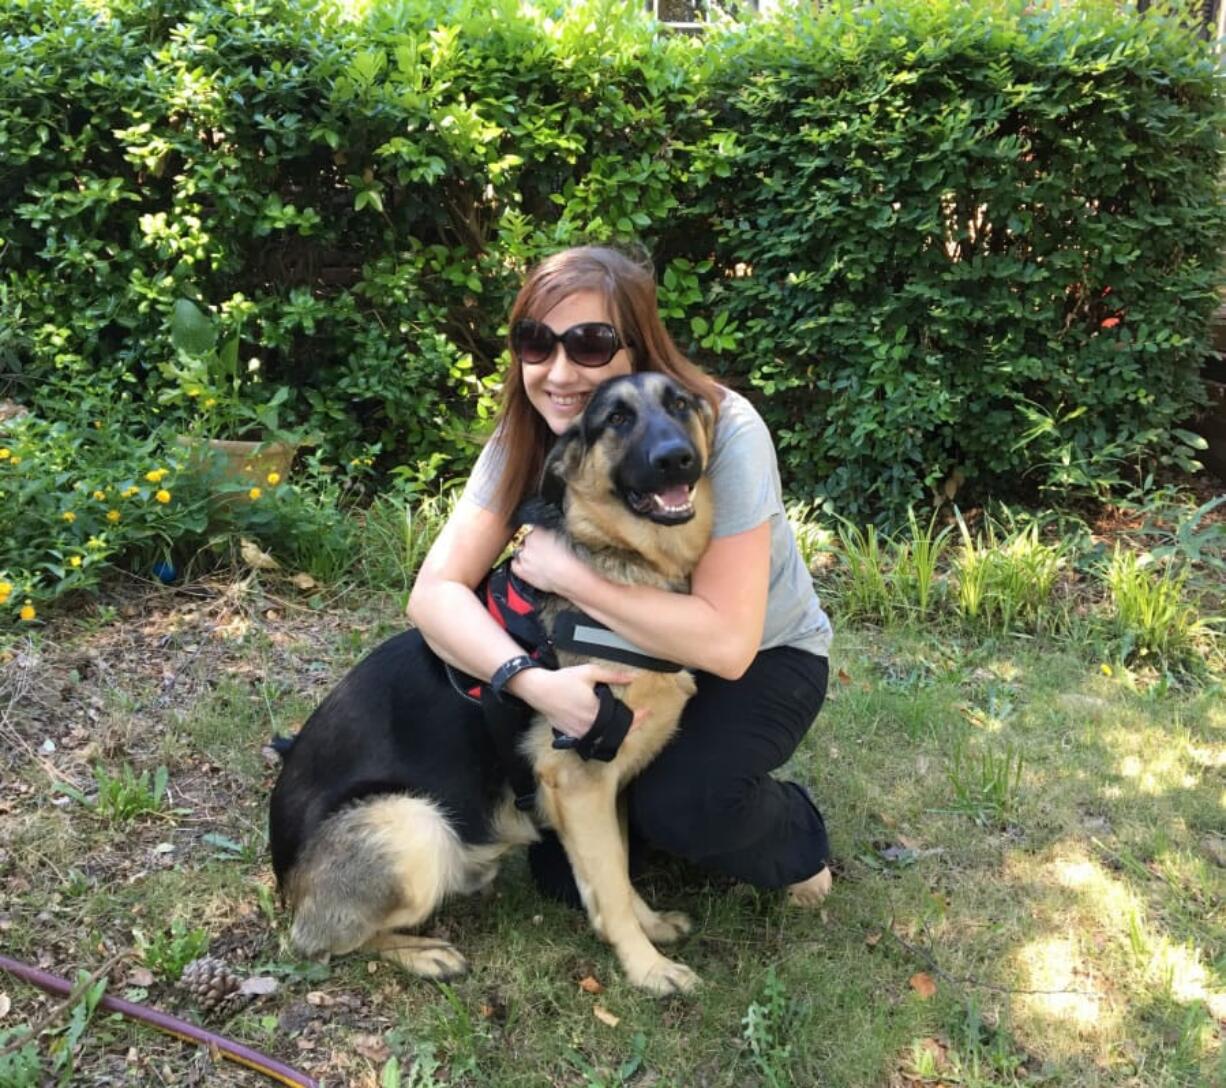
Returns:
<point x="19" y="1068"/>
<point x="916" y="562"/>
<point x="985" y="788"/>
<point x="169" y="951"/>
<point x="1005" y="582"/>
<point x="593" y="1078"/>
<point x="866" y="590"/>
<point x="396" y="534"/>
<point x="767" y="1023"/>
<point x="123" y="797"/>
<point x="1152" y="618"/>
<point x="813" y="540"/>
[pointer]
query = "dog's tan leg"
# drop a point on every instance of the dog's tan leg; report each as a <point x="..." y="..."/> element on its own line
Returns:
<point x="662" y="926"/>
<point x="581" y="803"/>
<point x="428" y="957"/>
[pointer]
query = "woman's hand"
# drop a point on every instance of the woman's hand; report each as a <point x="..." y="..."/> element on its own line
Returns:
<point x="544" y="561"/>
<point x="567" y="696"/>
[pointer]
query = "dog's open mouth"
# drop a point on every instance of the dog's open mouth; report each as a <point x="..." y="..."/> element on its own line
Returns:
<point x="670" y="506"/>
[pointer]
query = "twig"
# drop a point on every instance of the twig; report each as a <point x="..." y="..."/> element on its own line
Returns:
<point x="56" y="1011"/>
<point x="171" y="1025"/>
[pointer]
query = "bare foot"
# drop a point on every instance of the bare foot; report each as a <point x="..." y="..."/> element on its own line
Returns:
<point x="811" y="892"/>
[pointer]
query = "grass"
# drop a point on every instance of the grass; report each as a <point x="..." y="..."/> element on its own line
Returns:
<point x="1030" y="858"/>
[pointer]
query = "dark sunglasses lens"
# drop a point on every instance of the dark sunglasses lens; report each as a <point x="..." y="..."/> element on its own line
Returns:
<point x="533" y="342"/>
<point x="593" y="344"/>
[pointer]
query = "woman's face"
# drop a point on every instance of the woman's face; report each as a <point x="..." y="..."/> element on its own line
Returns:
<point x="557" y="388"/>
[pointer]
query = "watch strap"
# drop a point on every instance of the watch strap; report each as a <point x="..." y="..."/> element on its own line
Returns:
<point x="508" y="669"/>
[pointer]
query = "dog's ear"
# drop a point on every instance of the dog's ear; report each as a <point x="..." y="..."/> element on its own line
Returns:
<point x="707" y="414"/>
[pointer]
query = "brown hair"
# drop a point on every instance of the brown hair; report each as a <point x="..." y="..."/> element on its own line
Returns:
<point x="629" y="291"/>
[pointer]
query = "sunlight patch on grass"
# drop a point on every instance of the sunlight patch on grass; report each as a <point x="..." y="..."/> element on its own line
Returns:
<point x="1055" y="964"/>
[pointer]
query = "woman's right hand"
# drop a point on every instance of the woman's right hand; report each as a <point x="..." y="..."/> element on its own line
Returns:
<point x="567" y="697"/>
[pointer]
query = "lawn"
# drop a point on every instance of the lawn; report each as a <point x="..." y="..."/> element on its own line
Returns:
<point x="1030" y="886"/>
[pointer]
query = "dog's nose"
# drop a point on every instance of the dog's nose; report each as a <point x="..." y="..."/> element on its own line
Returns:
<point x="671" y="457"/>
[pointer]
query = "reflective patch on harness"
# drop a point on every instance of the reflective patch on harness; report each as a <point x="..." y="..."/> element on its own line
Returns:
<point x="579" y="633"/>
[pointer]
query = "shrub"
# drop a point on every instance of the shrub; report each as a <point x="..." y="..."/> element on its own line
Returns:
<point x="969" y="238"/>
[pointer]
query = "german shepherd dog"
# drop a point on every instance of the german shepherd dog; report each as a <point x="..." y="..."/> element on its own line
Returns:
<point x="392" y="798"/>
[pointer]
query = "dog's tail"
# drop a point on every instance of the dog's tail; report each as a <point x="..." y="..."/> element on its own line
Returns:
<point x="380" y="864"/>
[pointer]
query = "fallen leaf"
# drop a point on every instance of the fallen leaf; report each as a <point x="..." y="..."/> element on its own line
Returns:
<point x="589" y="985"/>
<point x="303" y="581"/>
<point x="605" y="1017"/>
<point x="844" y="676"/>
<point x="259" y="986"/>
<point x="6" y="1003"/>
<point x="872" y="939"/>
<point x="923" y="985"/>
<point x="318" y="998"/>
<point x="140" y="976"/>
<point x="372" y="1047"/>
<point x="937" y="1049"/>
<point x="254" y="557"/>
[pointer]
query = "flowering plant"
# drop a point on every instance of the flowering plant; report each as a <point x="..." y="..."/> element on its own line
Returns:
<point x="211" y="382"/>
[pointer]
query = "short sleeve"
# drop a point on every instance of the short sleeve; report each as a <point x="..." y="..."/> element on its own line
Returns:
<point x="744" y="471"/>
<point x="486" y="476"/>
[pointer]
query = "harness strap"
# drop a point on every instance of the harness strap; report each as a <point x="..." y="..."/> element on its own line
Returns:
<point x="607" y="733"/>
<point x="578" y="632"/>
<point x="506" y="719"/>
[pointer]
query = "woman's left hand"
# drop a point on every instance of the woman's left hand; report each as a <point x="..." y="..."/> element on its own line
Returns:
<point x="542" y="560"/>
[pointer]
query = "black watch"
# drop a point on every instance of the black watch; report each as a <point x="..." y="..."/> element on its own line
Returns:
<point x="504" y="672"/>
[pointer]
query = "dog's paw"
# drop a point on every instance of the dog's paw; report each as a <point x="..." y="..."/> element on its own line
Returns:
<point x="666" y="978"/>
<point x="667" y="926"/>
<point x="431" y="959"/>
<point x="810" y="893"/>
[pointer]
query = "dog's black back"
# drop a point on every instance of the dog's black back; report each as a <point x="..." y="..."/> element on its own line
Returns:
<point x="394" y="724"/>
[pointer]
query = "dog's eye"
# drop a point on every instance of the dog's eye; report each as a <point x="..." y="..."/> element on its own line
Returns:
<point x="679" y="406"/>
<point x="619" y="417"/>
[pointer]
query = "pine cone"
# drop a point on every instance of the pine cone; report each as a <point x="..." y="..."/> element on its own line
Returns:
<point x="213" y="985"/>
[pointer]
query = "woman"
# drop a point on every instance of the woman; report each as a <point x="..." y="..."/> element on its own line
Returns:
<point x="751" y="628"/>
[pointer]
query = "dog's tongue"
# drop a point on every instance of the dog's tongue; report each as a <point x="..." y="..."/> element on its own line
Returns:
<point x="674" y="496"/>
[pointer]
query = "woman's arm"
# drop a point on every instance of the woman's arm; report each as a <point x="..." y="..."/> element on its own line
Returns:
<point x="458" y="628"/>
<point x="716" y="627"/>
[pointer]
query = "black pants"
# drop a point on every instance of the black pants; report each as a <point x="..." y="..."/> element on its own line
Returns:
<point x="708" y="797"/>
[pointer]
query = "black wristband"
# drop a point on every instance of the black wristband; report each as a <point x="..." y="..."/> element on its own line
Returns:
<point x="504" y="672"/>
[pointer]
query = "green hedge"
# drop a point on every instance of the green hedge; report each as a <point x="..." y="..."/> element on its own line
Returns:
<point x="929" y="236"/>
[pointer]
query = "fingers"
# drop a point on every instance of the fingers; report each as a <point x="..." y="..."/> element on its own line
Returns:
<point x="607" y="674"/>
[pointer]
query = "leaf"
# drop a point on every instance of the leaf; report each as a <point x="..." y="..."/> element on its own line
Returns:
<point x="873" y="938"/>
<point x="844" y="677"/>
<point x="605" y="1017"/>
<point x="6" y="1003"/>
<point x="140" y="976"/>
<point x="372" y="1047"/>
<point x="590" y="985"/>
<point x="260" y="986"/>
<point x="922" y="984"/>
<point x="190" y="329"/>
<point x="255" y="558"/>
<point x="303" y="581"/>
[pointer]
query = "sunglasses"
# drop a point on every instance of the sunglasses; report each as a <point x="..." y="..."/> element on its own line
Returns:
<point x="591" y="343"/>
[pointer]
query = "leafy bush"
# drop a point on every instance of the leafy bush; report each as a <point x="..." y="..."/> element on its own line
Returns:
<point x="967" y="239"/>
<point x="936" y="240"/>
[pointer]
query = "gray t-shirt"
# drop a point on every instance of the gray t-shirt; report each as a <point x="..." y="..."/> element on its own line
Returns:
<point x="744" y="474"/>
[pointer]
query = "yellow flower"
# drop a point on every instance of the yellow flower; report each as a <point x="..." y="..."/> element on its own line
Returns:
<point x="94" y="542"/>
<point x="69" y="516"/>
<point x="128" y="492"/>
<point x="97" y="424"/>
<point x="1106" y="669"/>
<point x="163" y="495"/>
<point x="15" y="460"/>
<point x="5" y="453"/>
<point x="100" y="496"/>
<point x="254" y="494"/>
<point x="211" y="402"/>
<point x="6" y="589"/>
<point x="155" y="476"/>
<point x="273" y="478"/>
<point x="74" y="560"/>
<point x="113" y="515"/>
<point x="27" y="611"/>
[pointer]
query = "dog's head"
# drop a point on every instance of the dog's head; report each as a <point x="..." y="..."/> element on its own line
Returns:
<point x="630" y="473"/>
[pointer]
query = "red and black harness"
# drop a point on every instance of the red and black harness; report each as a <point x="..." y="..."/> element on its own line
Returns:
<point x="515" y="605"/>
